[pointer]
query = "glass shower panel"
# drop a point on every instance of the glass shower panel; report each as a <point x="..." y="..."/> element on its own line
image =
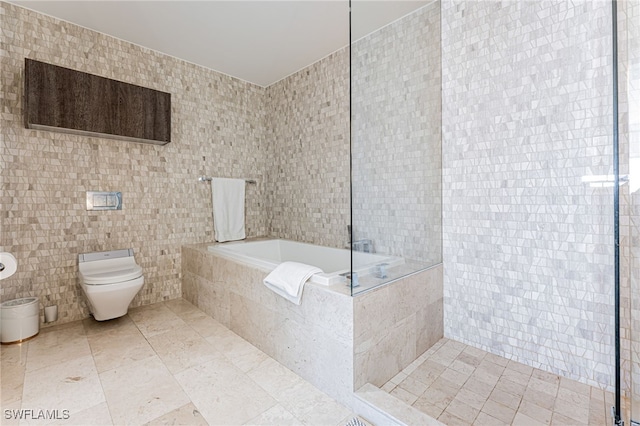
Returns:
<point x="630" y="201"/>
<point x="396" y="162"/>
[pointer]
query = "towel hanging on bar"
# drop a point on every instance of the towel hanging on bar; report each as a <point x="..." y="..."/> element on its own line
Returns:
<point x="209" y="179"/>
<point x="228" y="209"/>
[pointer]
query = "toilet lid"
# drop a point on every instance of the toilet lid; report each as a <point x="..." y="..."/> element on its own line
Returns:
<point x="111" y="277"/>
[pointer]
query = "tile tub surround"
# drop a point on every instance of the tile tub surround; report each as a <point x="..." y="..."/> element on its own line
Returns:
<point x="321" y="339"/>
<point x="394" y="324"/>
<point x="218" y="130"/>
<point x="313" y="339"/>
<point x="528" y="248"/>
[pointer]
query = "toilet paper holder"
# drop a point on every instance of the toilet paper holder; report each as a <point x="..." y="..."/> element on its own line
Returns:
<point x="8" y="265"/>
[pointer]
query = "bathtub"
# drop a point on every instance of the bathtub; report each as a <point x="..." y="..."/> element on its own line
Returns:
<point x="267" y="254"/>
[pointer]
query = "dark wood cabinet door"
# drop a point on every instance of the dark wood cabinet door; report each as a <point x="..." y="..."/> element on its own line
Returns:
<point x="65" y="100"/>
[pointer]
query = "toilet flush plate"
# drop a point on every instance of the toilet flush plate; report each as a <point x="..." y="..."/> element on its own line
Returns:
<point x="100" y="200"/>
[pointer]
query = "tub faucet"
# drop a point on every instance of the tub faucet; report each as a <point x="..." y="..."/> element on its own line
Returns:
<point x="381" y="270"/>
<point x="348" y="243"/>
<point x="352" y="279"/>
<point x="364" y="245"/>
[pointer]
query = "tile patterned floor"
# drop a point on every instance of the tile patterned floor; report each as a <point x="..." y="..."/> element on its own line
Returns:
<point x="463" y="385"/>
<point x="167" y="363"/>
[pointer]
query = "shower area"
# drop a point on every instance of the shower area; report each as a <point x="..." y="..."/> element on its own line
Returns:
<point x="492" y="153"/>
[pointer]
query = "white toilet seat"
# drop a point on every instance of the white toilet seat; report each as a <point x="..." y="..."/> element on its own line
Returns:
<point x="112" y="277"/>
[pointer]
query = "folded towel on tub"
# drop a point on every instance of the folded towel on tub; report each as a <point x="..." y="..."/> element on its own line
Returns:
<point x="288" y="279"/>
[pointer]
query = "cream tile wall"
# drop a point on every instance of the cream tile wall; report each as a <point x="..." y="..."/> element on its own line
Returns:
<point x="308" y="135"/>
<point x="396" y="146"/>
<point x="528" y="255"/>
<point x="217" y="130"/>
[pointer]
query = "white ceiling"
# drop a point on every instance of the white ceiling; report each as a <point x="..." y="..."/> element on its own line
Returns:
<point x="257" y="41"/>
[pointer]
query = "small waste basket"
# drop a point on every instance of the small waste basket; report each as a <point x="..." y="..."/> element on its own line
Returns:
<point x="19" y="320"/>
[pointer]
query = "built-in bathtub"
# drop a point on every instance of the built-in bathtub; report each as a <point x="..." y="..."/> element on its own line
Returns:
<point x="335" y="341"/>
<point x="334" y="262"/>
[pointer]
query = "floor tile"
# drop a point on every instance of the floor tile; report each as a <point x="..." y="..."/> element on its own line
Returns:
<point x="72" y="385"/>
<point x="220" y="391"/>
<point x="91" y="326"/>
<point x="57" y="345"/>
<point x="484" y="419"/>
<point x="241" y="353"/>
<point x="504" y="391"/>
<point x="155" y="319"/>
<point x="404" y="395"/>
<point x="523" y="420"/>
<point x="479" y="387"/>
<point x="413" y="386"/>
<point x="182" y="348"/>
<point x="275" y="416"/>
<point x="451" y="420"/>
<point x="462" y="410"/>
<point x="539" y="414"/>
<point x="427" y="372"/>
<point x="95" y="416"/>
<point x="205" y="326"/>
<point x="13" y="367"/>
<point x="311" y="406"/>
<point x="11" y="413"/>
<point x="183" y="308"/>
<point x="424" y="405"/>
<point x="540" y="399"/>
<point x="117" y="347"/>
<point x="471" y="398"/>
<point x="499" y="411"/>
<point x="440" y="399"/>
<point x="508" y="399"/>
<point x="273" y="377"/>
<point x="141" y="391"/>
<point x="188" y="414"/>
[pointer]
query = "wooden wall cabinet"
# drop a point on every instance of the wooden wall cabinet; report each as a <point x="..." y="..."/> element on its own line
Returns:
<point x="64" y="100"/>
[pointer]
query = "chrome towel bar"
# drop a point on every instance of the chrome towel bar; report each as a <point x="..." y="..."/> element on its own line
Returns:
<point x="208" y="179"/>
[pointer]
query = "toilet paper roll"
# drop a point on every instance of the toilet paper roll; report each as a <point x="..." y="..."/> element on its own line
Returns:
<point x="8" y="265"/>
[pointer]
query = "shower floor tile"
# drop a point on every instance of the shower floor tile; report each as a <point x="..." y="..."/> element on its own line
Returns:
<point x="460" y="384"/>
<point x="167" y="363"/>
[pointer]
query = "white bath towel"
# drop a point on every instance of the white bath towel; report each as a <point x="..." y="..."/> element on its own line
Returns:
<point x="228" y="209"/>
<point x="288" y="279"/>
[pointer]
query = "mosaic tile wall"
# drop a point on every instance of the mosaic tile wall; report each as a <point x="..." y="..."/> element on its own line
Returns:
<point x="217" y="130"/>
<point x="396" y="147"/>
<point x="527" y="246"/>
<point x="308" y="139"/>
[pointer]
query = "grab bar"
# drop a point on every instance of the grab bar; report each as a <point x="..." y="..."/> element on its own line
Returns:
<point x="208" y="179"/>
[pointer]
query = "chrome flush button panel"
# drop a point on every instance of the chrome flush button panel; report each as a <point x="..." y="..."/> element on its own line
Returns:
<point x="97" y="200"/>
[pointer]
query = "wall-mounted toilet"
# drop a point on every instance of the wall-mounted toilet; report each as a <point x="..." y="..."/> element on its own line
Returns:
<point x="110" y="280"/>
